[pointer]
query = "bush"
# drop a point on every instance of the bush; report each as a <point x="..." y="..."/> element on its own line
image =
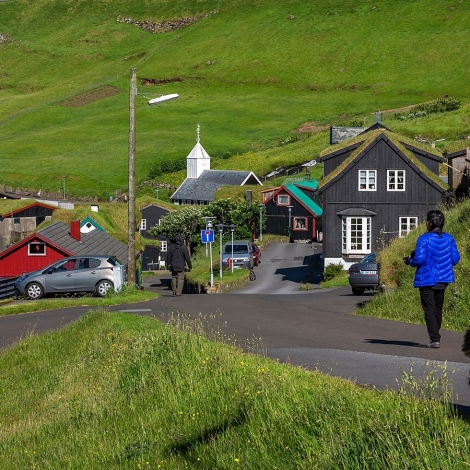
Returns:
<point x="332" y="271"/>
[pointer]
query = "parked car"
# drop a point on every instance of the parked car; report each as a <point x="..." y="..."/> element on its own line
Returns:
<point x="242" y="254"/>
<point x="256" y="251"/>
<point x="364" y="275"/>
<point x="72" y="274"/>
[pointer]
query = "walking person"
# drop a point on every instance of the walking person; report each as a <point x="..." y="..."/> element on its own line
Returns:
<point x="178" y="258"/>
<point x="434" y="258"/>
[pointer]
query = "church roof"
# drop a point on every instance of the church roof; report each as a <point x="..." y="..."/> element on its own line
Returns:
<point x="204" y="187"/>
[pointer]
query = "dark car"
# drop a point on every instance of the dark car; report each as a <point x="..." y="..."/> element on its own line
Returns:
<point x="256" y="252"/>
<point x="95" y="274"/>
<point x="364" y="275"/>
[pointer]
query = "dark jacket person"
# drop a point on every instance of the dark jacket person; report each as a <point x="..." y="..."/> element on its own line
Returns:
<point x="178" y="258"/>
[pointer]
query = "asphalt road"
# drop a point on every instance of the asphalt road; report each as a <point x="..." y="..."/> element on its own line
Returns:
<point x="314" y="329"/>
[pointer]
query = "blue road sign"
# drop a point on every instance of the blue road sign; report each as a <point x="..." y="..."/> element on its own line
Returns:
<point x="207" y="236"/>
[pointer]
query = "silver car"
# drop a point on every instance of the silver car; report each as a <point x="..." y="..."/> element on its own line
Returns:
<point x="242" y="255"/>
<point x="73" y="274"/>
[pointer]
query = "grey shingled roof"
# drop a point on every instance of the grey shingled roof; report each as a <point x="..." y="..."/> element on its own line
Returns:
<point x="94" y="243"/>
<point x="204" y="187"/>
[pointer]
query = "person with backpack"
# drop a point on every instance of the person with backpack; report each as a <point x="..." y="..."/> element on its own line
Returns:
<point x="178" y="258"/>
<point x="434" y="258"/>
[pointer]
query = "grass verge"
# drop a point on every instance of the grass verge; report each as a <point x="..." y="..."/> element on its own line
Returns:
<point x="28" y="306"/>
<point x="130" y="392"/>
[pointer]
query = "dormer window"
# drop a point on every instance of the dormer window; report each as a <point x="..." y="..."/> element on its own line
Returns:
<point x="367" y="180"/>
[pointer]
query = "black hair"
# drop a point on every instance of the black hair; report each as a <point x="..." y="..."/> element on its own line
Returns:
<point x="435" y="221"/>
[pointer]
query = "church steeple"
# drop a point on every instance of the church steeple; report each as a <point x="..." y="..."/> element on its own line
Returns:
<point x="198" y="159"/>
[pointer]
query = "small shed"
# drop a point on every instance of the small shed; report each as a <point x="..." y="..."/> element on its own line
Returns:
<point x="292" y="210"/>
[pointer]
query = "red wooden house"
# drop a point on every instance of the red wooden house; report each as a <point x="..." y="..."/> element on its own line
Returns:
<point x="55" y="242"/>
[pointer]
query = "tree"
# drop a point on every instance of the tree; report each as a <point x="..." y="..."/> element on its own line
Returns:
<point x="187" y="222"/>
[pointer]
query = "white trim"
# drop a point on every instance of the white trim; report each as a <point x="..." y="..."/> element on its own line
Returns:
<point x="370" y="183"/>
<point x="395" y="184"/>
<point x="356" y="234"/>
<point x="402" y="233"/>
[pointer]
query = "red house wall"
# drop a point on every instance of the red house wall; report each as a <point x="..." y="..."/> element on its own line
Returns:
<point x="19" y="261"/>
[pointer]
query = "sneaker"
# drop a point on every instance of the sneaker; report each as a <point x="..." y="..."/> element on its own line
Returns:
<point x="434" y="344"/>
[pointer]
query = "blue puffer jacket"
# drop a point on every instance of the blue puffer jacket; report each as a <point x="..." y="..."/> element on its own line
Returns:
<point x="435" y="258"/>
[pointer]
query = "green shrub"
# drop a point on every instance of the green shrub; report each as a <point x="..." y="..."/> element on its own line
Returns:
<point x="332" y="271"/>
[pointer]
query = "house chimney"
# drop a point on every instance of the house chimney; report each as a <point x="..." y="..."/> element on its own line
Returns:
<point x="75" y="229"/>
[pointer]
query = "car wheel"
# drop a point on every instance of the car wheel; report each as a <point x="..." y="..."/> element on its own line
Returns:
<point x="357" y="290"/>
<point x="34" y="291"/>
<point x="103" y="286"/>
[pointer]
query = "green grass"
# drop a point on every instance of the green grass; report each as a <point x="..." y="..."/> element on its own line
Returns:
<point x="28" y="306"/>
<point x="401" y="301"/>
<point x="250" y="75"/>
<point x="200" y="275"/>
<point x="121" y="391"/>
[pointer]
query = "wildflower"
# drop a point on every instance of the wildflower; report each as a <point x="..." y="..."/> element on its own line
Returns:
<point x="237" y="460"/>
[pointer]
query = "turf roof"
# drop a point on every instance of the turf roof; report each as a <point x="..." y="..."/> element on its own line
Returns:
<point x="367" y="139"/>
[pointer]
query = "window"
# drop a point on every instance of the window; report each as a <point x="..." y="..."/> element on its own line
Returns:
<point x="367" y="180"/>
<point x="283" y="200"/>
<point x="37" y="249"/>
<point x="406" y="225"/>
<point x="300" y="223"/>
<point x="356" y="235"/>
<point x="396" y="180"/>
<point x="164" y="246"/>
<point x="143" y="224"/>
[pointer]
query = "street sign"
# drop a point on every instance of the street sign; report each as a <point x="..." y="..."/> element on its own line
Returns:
<point x="207" y="236"/>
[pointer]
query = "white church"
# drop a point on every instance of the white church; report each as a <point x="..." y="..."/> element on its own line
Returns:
<point x="201" y="182"/>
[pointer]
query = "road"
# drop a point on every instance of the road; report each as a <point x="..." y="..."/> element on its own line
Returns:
<point x="314" y="329"/>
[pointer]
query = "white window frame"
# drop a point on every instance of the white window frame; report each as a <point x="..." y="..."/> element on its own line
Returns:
<point x="352" y="241"/>
<point x="367" y="180"/>
<point x="164" y="246"/>
<point x="32" y="252"/>
<point x="143" y="224"/>
<point x="395" y="185"/>
<point x="279" y="203"/>
<point x="406" y="225"/>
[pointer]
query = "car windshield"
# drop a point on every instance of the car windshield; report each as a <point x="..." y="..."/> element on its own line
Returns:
<point x="236" y="249"/>
<point x="370" y="258"/>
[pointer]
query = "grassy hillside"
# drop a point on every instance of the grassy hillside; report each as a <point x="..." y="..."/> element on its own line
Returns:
<point x="121" y="391"/>
<point x="249" y="73"/>
<point x="402" y="303"/>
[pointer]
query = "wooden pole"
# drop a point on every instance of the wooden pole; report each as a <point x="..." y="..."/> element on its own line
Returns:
<point x="131" y="200"/>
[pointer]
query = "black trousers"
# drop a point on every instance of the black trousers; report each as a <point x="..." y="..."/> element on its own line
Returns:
<point x="432" y="301"/>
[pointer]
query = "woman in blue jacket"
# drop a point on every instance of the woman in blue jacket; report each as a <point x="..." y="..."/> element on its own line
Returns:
<point x="434" y="258"/>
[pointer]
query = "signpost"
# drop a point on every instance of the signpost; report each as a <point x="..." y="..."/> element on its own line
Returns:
<point x="207" y="236"/>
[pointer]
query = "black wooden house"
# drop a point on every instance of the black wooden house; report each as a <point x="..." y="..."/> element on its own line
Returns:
<point x="375" y="187"/>
<point x="292" y="210"/>
<point x="153" y="256"/>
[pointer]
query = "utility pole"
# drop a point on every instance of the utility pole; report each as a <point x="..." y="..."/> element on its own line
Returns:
<point x="131" y="199"/>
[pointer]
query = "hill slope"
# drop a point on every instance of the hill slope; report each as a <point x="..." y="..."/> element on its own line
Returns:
<point x="248" y="72"/>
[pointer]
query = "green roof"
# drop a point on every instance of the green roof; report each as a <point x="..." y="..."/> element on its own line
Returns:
<point x="92" y="222"/>
<point x="303" y="198"/>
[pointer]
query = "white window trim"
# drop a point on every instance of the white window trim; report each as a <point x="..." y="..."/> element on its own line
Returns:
<point x="395" y="172"/>
<point x="369" y="186"/>
<point x="143" y="224"/>
<point x="283" y="203"/>
<point x="164" y="246"/>
<point x="347" y="245"/>
<point x="403" y="233"/>
<point x="32" y="253"/>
